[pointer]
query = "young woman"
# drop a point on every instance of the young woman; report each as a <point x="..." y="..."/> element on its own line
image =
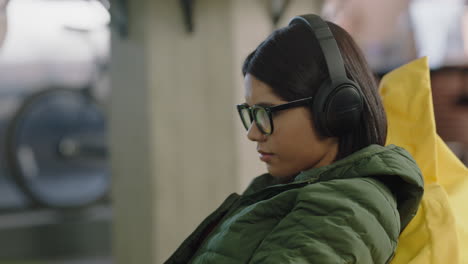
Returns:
<point x="333" y="193"/>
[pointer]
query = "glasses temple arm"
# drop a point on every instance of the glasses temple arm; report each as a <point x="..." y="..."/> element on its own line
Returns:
<point x="291" y="104"/>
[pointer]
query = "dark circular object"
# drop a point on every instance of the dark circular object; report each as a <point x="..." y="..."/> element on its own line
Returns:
<point x="57" y="151"/>
<point x="337" y="109"/>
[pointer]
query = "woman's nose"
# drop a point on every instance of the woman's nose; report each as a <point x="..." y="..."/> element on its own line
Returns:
<point x="254" y="133"/>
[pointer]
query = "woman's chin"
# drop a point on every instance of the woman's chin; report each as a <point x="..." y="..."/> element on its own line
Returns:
<point x="280" y="176"/>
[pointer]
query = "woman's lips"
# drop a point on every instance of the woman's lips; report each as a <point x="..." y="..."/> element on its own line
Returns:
<point x="265" y="156"/>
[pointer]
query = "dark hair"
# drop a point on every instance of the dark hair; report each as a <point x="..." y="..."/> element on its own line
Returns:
<point x="291" y="62"/>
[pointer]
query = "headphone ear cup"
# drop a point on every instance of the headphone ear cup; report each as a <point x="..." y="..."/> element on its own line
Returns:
<point x="337" y="112"/>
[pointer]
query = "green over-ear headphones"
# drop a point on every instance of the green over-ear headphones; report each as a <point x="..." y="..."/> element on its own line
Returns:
<point x="338" y="104"/>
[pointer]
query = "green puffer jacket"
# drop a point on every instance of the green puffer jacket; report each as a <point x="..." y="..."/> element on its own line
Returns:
<point x="351" y="211"/>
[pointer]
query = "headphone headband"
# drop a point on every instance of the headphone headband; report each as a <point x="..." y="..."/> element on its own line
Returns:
<point x="338" y="103"/>
<point x="328" y="44"/>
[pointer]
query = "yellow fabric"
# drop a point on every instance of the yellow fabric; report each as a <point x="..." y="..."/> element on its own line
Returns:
<point x="439" y="232"/>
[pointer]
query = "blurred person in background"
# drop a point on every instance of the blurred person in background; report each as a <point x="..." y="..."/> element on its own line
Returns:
<point x="333" y="193"/>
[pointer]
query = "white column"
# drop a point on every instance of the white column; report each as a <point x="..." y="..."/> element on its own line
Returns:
<point x="173" y="149"/>
<point x="131" y="137"/>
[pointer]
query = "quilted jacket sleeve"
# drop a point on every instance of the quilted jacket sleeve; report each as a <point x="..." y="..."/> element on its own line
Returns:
<point x="339" y="221"/>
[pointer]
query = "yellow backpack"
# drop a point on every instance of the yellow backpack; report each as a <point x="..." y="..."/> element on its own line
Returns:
<point x="439" y="231"/>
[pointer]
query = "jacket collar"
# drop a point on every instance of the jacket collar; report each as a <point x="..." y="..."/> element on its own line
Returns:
<point x="393" y="165"/>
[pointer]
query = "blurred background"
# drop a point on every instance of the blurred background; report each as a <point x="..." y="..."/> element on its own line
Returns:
<point x="118" y="131"/>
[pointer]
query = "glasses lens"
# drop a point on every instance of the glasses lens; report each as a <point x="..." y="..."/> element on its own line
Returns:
<point x="263" y="120"/>
<point x="245" y="117"/>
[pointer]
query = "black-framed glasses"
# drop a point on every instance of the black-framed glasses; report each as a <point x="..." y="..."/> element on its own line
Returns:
<point x="263" y="115"/>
